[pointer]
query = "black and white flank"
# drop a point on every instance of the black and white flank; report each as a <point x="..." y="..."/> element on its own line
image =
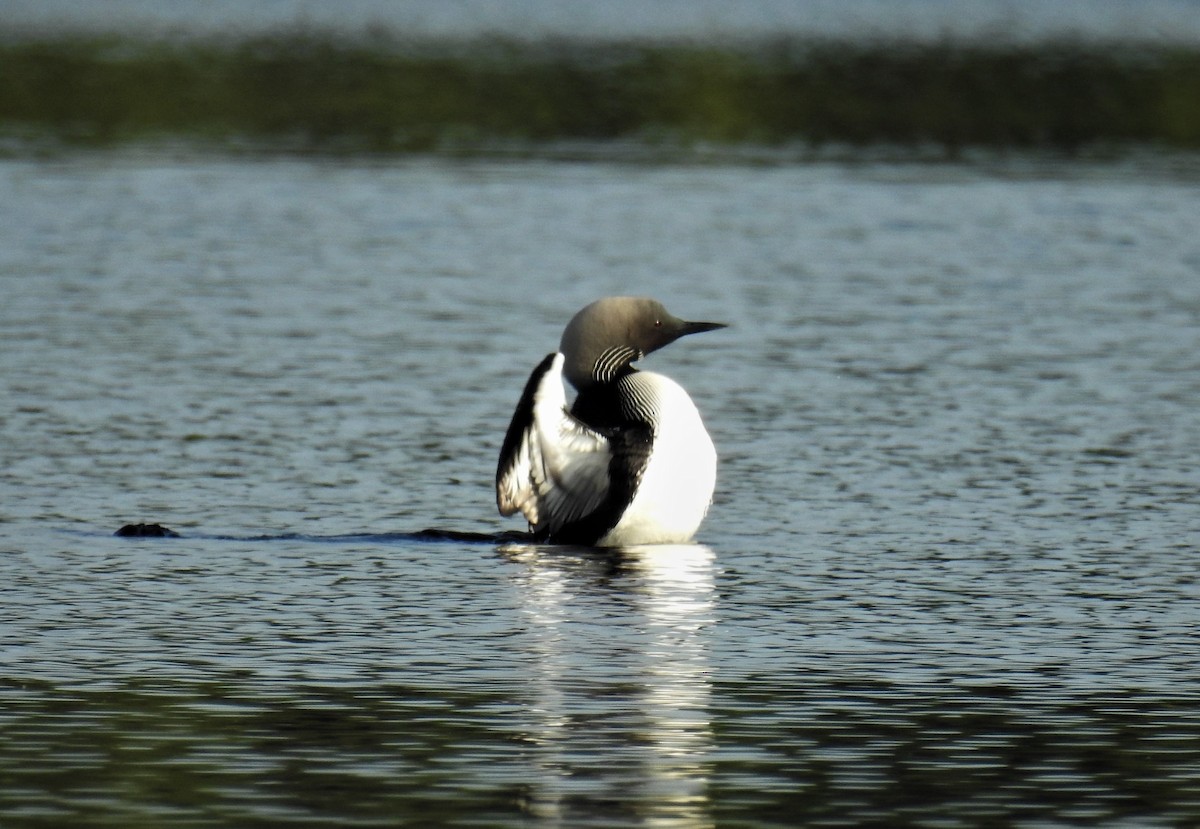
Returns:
<point x="630" y="462"/>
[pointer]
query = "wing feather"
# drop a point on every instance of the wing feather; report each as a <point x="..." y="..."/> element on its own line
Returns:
<point x="553" y="468"/>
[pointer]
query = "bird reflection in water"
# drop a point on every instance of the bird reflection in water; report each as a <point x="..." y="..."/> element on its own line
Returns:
<point x="621" y="696"/>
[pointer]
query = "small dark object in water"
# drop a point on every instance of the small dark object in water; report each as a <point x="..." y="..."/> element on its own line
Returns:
<point x="435" y="534"/>
<point x="146" y="531"/>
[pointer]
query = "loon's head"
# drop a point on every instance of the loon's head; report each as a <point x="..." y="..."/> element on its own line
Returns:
<point x="602" y="340"/>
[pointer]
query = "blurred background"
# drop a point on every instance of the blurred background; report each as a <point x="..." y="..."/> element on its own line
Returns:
<point x="503" y="76"/>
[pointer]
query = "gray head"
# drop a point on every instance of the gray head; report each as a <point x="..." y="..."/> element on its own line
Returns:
<point x="605" y="337"/>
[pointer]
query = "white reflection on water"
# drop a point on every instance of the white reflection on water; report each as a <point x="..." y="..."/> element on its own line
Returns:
<point x="622" y="678"/>
<point x="678" y="603"/>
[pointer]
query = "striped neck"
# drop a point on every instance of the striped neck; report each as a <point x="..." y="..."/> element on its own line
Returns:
<point x="613" y="361"/>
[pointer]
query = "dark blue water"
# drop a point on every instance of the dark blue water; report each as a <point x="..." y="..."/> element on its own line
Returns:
<point x="949" y="577"/>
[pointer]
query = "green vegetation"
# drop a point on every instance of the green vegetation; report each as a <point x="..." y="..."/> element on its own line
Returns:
<point x="317" y="93"/>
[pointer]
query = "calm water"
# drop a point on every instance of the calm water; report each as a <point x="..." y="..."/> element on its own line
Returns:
<point x="1158" y="20"/>
<point x="950" y="578"/>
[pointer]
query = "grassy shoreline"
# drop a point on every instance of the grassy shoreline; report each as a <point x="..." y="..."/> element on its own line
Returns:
<point x="315" y="93"/>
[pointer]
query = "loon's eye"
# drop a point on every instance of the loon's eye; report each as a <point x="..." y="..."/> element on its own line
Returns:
<point x="658" y="323"/>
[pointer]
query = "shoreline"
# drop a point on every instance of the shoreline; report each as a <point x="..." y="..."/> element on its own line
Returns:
<point x="305" y="92"/>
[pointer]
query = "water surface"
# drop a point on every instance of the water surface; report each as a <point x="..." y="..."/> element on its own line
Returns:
<point x="949" y="577"/>
<point x="1153" y="20"/>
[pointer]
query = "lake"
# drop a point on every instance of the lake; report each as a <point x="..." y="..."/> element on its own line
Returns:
<point x="949" y="577"/>
<point x="989" y="20"/>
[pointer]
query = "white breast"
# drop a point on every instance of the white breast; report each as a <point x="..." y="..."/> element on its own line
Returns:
<point x="677" y="485"/>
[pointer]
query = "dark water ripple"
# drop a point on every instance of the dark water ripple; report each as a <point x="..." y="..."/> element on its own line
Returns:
<point x="949" y="579"/>
<point x="820" y="752"/>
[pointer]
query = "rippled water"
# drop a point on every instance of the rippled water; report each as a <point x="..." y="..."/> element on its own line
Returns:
<point x="949" y="578"/>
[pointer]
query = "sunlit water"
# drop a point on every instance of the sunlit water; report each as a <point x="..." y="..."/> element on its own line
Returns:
<point x="949" y="578"/>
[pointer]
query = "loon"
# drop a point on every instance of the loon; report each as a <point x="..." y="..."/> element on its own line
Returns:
<point x="630" y="462"/>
